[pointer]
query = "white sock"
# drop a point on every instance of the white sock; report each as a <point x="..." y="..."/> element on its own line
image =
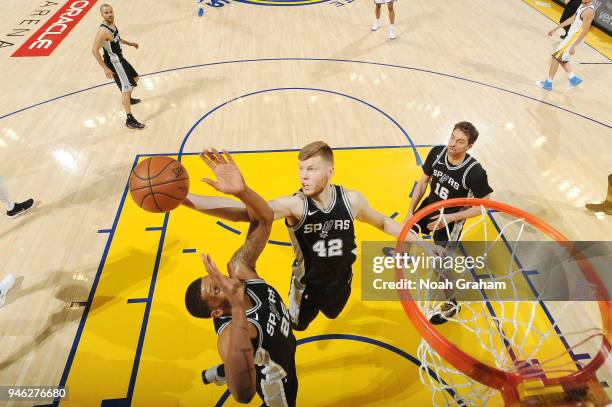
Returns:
<point x="378" y="22"/>
<point x="5" y="197"/>
<point x="550" y="79"/>
<point x="392" y="26"/>
<point x="571" y="75"/>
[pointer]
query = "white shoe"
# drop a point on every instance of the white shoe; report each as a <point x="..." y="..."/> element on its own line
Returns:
<point x="5" y="286"/>
<point x="392" y="35"/>
<point x="375" y="26"/>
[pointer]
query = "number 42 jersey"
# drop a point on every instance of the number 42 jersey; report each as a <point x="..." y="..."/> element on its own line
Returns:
<point x="324" y="242"/>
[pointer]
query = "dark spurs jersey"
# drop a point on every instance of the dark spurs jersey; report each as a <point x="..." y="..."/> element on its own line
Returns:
<point x="112" y="49"/>
<point x="324" y="242"/>
<point x="466" y="180"/>
<point x="274" y="345"/>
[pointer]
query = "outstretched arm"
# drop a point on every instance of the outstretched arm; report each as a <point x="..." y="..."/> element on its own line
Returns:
<point x="235" y="342"/>
<point x="562" y="24"/>
<point x="217" y="206"/>
<point x="228" y="209"/>
<point x="131" y="44"/>
<point x="231" y="181"/>
<point x="365" y="213"/>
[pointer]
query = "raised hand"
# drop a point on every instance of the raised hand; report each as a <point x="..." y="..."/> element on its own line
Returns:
<point x="229" y="178"/>
<point x="230" y="286"/>
<point x="440" y="221"/>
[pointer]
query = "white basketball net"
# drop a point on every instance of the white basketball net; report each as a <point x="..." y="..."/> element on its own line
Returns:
<point x="532" y="337"/>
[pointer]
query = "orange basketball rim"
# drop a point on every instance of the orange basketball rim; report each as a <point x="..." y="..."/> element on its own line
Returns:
<point x="506" y="382"/>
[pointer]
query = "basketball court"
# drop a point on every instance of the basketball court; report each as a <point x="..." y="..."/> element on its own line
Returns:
<point x="98" y="305"/>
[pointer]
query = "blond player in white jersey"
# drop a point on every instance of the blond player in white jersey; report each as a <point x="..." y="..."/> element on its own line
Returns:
<point x="580" y="26"/>
<point x="378" y="23"/>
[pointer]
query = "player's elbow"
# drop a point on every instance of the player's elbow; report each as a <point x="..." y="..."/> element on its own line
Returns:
<point x="244" y="396"/>
<point x="267" y="216"/>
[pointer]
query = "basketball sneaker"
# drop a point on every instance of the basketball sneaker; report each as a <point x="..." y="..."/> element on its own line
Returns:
<point x="20" y="208"/>
<point x="575" y="81"/>
<point x="605" y="207"/>
<point x="392" y="35"/>
<point x="5" y="286"/>
<point x="444" y="312"/>
<point x="134" y="101"/>
<point x="132" y="123"/>
<point x="546" y="85"/>
<point x="215" y="374"/>
<point x="375" y="26"/>
<point x="389" y="251"/>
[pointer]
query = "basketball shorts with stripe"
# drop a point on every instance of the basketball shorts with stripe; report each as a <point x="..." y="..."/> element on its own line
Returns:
<point x="286" y="397"/>
<point x="123" y="73"/>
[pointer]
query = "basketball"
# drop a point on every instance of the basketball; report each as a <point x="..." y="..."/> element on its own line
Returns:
<point x="159" y="184"/>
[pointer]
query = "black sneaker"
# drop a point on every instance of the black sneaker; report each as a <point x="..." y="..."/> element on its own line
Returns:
<point x="563" y="36"/>
<point x="134" y="101"/>
<point x="605" y="206"/>
<point x="132" y="123"/>
<point x="446" y="311"/>
<point x="389" y="251"/>
<point x="20" y="208"/>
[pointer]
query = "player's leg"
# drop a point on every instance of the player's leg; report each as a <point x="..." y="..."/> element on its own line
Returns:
<point x="392" y="35"/>
<point x="134" y="81"/>
<point x="303" y="307"/>
<point x="377" y="23"/>
<point x="445" y="238"/>
<point x="13" y="209"/>
<point x="290" y="383"/>
<point x="124" y="75"/>
<point x="5" y="196"/>
<point x="552" y="71"/>
<point x="572" y="78"/>
<point x="5" y="285"/>
<point x="337" y="297"/>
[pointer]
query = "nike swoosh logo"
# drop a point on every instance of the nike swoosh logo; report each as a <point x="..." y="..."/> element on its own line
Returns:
<point x="312" y="213"/>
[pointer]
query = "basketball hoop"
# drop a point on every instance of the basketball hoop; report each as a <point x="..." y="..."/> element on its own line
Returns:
<point x="511" y="357"/>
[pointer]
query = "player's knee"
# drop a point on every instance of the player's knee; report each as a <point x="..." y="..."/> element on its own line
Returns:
<point x="300" y="326"/>
<point x="332" y="314"/>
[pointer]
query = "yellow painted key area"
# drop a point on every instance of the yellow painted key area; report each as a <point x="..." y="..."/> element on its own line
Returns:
<point x="140" y="345"/>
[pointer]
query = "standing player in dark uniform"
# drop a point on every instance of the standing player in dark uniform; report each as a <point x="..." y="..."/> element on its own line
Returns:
<point x="319" y="218"/>
<point x="114" y="65"/>
<point x="450" y="173"/>
<point x="255" y="339"/>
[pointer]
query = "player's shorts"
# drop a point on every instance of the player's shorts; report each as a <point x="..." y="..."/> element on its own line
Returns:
<point x="384" y="1"/>
<point x="305" y="303"/>
<point x="562" y="54"/>
<point x="123" y="73"/>
<point x="282" y="393"/>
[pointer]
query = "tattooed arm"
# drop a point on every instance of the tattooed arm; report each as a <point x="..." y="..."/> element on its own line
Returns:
<point x="261" y="216"/>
